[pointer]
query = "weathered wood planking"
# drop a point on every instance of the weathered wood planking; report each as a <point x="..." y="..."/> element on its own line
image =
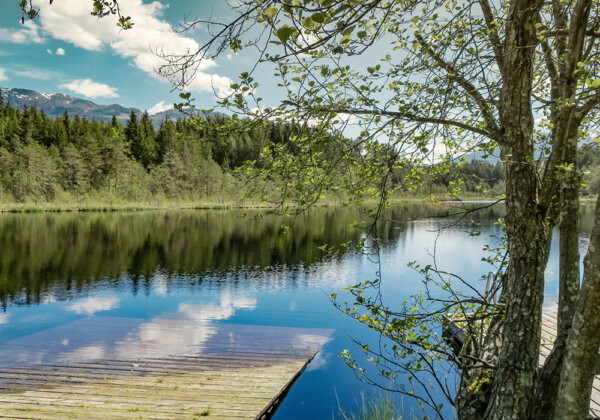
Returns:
<point x="549" y="329"/>
<point x="223" y="377"/>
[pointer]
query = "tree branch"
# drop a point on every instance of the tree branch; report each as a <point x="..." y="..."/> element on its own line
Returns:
<point x="560" y="17"/>
<point x="405" y="115"/>
<point x="470" y="89"/>
<point x="488" y="15"/>
<point x="562" y="32"/>
<point x="592" y="103"/>
<point x="551" y="67"/>
<point x="577" y="33"/>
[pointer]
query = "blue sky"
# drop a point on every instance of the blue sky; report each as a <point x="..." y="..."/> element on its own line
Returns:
<point x="66" y="50"/>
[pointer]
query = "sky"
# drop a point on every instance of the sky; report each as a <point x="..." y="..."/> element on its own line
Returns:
<point x="66" y="50"/>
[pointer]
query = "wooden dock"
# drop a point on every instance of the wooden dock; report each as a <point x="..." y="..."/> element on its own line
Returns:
<point x="549" y="329"/>
<point x="455" y="337"/>
<point x="239" y="372"/>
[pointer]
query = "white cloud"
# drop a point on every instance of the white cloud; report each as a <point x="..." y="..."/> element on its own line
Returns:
<point x="30" y="33"/>
<point x="3" y="75"/>
<point x="70" y="21"/>
<point x="319" y="361"/>
<point x="92" y="305"/>
<point x="186" y="330"/>
<point x="550" y="304"/>
<point x="92" y="352"/>
<point x="159" y="107"/>
<point x="90" y="89"/>
<point x="204" y="82"/>
<point x="59" y="51"/>
<point x="33" y="74"/>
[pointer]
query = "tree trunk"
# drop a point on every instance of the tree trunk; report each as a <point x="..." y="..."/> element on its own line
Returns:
<point x="474" y="387"/>
<point x="579" y="367"/>
<point x="569" y="249"/>
<point x="569" y="279"/>
<point x="528" y="247"/>
<point x="526" y="228"/>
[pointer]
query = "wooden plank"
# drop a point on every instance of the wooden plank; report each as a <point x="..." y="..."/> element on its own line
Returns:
<point x="118" y="407"/>
<point x="142" y="391"/>
<point x="102" y="370"/>
<point x="240" y="377"/>
<point x="549" y="331"/>
<point x="70" y="400"/>
<point x="156" y="399"/>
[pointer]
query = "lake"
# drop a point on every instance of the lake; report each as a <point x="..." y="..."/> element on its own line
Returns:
<point x="211" y="269"/>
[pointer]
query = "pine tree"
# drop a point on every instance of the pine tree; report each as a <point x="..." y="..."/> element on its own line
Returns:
<point x="147" y="149"/>
<point x="165" y="139"/>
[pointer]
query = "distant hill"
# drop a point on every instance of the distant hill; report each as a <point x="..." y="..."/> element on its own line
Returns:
<point x="55" y="104"/>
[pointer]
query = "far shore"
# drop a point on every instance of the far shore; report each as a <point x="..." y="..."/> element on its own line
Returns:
<point x="83" y="206"/>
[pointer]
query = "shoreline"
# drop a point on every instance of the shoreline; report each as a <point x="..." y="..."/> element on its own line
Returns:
<point x="23" y="208"/>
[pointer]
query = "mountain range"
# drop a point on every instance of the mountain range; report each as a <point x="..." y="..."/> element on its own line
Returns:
<point x="55" y="104"/>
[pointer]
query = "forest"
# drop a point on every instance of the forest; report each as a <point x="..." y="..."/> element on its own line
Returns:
<point x="73" y="160"/>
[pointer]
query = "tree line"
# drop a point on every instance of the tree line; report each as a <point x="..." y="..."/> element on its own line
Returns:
<point x="45" y="159"/>
<point x="62" y="159"/>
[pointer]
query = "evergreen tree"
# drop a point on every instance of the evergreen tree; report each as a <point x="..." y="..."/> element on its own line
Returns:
<point x="146" y="150"/>
<point x="165" y="138"/>
<point x="132" y="131"/>
<point x="67" y="124"/>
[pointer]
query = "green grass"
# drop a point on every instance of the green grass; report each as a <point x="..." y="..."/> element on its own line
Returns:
<point x="377" y="407"/>
<point x="204" y="413"/>
<point x="129" y="207"/>
<point x="103" y="203"/>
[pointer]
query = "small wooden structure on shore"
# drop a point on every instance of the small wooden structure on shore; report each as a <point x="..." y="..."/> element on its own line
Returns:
<point x="455" y="337"/>
<point x="236" y="372"/>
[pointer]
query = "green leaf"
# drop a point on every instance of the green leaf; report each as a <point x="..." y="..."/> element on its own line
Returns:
<point x="272" y="11"/>
<point x="284" y="33"/>
<point x="309" y="23"/>
<point x="346" y="39"/>
<point x="318" y="17"/>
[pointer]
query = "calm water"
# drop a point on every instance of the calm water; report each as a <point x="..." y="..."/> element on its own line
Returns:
<point x="214" y="269"/>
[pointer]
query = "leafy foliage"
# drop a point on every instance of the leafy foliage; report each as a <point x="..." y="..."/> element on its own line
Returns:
<point x="42" y="159"/>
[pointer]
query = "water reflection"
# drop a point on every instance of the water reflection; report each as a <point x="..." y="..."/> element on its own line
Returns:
<point x="91" y="305"/>
<point x="54" y="257"/>
<point x="192" y="330"/>
<point x="191" y="282"/>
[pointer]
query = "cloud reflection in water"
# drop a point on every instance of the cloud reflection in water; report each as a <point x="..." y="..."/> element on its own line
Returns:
<point x="191" y="330"/>
<point x="91" y="305"/>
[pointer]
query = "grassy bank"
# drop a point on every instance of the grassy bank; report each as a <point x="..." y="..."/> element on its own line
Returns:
<point x="113" y="207"/>
<point x="99" y="205"/>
